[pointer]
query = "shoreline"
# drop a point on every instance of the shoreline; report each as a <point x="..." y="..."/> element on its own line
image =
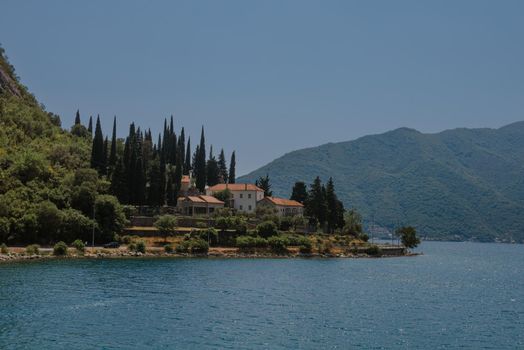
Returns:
<point x="120" y="254"/>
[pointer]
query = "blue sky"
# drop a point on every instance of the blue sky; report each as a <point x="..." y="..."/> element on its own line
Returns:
<point x="268" y="77"/>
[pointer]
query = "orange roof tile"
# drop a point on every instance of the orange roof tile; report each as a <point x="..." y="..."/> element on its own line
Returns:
<point x="235" y="187"/>
<point x="211" y="199"/>
<point x="201" y="199"/>
<point x="284" y="202"/>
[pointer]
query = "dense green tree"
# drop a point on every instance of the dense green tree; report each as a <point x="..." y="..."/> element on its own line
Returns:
<point x="49" y="220"/>
<point x="90" y="125"/>
<point x="119" y="186"/>
<point x="97" y="149"/>
<point x="110" y="217"/>
<point x="155" y="184"/>
<point x="408" y="236"/>
<point x="112" y="154"/>
<point x="299" y="192"/>
<point x="222" y="167"/>
<point x="315" y="206"/>
<point x="166" y="225"/>
<point x="232" y="172"/>
<point x="264" y="183"/>
<point x="200" y="164"/>
<point x="353" y="223"/>
<point x="187" y="162"/>
<point x="213" y="172"/>
<point x="75" y="225"/>
<point x="77" y="118"/>
<point x="335" y="209"/>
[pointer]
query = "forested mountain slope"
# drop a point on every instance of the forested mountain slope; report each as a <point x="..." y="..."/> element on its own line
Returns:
<point x="458" y="184"/>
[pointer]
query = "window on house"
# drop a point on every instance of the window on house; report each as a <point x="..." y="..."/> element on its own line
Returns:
<point x="249" y="195"/>
<point x="241" y="208"/>
<point x="249" y="207"/>
<point x="241" y="195"/>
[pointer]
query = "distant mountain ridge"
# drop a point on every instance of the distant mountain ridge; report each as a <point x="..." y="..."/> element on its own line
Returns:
<point x="460" y="184"/>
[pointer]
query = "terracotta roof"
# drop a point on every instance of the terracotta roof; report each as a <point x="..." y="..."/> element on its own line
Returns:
<point x="201" y="199"/>
<point x="211" y="199"/>
<point x="284" y="202"/>
<point x="185" y="178"/>
<point x="235" y="187"/>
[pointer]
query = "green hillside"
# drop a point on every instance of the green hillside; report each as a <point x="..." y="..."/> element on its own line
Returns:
<point x="462" y="184"/>
<point x="47" y="189"/>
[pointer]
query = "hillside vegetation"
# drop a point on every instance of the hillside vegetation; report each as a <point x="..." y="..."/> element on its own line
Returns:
<point x="47" y="189"/>
<point x="463" y="184"/>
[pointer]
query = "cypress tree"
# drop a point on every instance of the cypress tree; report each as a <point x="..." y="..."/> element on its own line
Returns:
<point x="299" y="192"/>
<point x="181" y="148"/>
<point x="155" y="181"/>
<point x="77" y="117"/>
<point x="332" y="204"/>
<point x="170" y="190"/>
<point x="316" y="203"/>
<point x="97" y="150"/>
<point x="200" y="164"/>
<point x="222" y="167"/>
<point x="213" y="172"/>
<point x="232" y="165"/>
<point x="112" y="154"/>
<point x="187" y="163"/>
<point x="118" y="182"/>
<point x="177" y="177"/>
<point x="105" y="156"/>
<point x="90" y="125"/>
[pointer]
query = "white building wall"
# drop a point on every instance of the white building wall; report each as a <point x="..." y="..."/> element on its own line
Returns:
<point x="244" y="201"/>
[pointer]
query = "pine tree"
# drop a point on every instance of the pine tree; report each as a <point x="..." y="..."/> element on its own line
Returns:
<point x="97" y="150"/>
<point x="170" y="188"/>
<point x="232" y="165"/>
<point x="181" y="148"/>
<point x="264" y="183"/>
<point x="187" y="163"/>
<point x="90" y="125"/>
<point x="77" y="118"/>
<point x="222" y="167"/>
<point x="112" y="154"/>
<point x="213" y="172"/>
<point x="299" y="192"/>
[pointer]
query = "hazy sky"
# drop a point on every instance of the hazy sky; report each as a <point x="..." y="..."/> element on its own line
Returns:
<point x="268" y="77"/>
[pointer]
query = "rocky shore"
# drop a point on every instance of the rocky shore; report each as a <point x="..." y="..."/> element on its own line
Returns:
<point x="216" y="252"/>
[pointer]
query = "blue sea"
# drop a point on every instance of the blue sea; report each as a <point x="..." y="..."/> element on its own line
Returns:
<point x="454" y="296"/>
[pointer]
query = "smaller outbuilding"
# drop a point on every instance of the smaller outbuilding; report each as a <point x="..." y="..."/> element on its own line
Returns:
<point x="284" y="207"/>
<point x="198" y="205"/>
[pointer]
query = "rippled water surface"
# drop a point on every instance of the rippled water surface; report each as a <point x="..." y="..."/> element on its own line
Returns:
<point x="457" y="295"/>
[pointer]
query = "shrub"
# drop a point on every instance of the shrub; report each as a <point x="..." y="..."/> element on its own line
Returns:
<point x="374" y="250"/>
<point x="267" y="229"/>
<point x="125" y="239"/>
<point x="140" y="247"/>
<point x="363" y="237"/>
<point x="168" y="248"/>
<point x="60" y="249"/>
<point x="33" y="249"/>
<point x="209" y="233"/>
<point x="183" y="247"/>
<point x="132" y="247"/>
<point x="199" y="246"/>
<point x="3" y="249"/>
<point x="79" y="245"/>
<point x="244" y="242"/>
<point x="201" y="224"/>
<point x="324" y="247"/>
<point x="305" y="249"/>
<point x="278" y="243"/>
<point x="297" y="240"/>
<point x="286" y="223"/>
